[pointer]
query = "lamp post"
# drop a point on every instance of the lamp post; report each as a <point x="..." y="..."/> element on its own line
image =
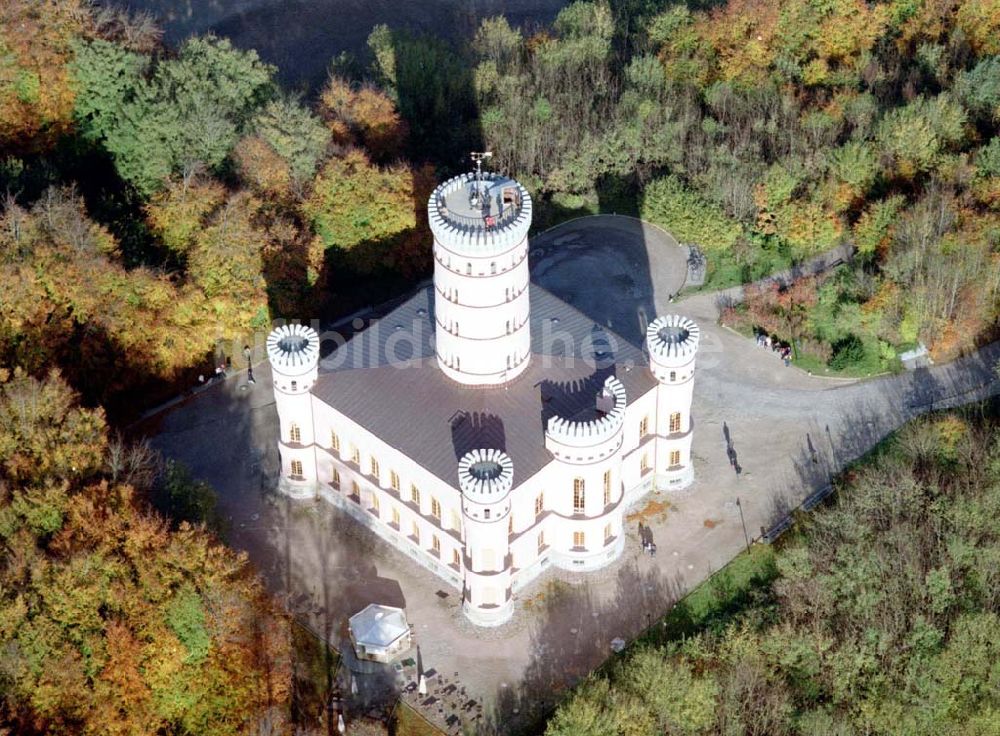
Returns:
<point x="746" y="537"/>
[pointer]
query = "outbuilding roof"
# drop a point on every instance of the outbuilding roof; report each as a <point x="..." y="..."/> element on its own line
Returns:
<point x="378" y="626"/>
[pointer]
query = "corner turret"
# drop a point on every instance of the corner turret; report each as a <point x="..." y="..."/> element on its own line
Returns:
<point x="293" y="351"/>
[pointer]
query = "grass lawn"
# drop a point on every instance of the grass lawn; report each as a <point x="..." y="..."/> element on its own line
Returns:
<point x="817" y="367"/>
<point x="724" y="270"/>
<point x="713" y="603"/>
<point x="745" y="580"/>
<point x="407" y="722"/>
<point x="872" y="365"/>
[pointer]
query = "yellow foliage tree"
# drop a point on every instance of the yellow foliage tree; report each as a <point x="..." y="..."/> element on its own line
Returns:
<point x="364" y="116"/>
<point x="361" y="208"/>
<point x="178" y="211"/>
<point x="980" y="20"/>
<point x="36" y="98"/>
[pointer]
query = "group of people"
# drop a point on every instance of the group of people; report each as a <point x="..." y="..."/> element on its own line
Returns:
<point x="646" y="536"/>
<point x="775" y="346"/>
<point x="223" y="368"/>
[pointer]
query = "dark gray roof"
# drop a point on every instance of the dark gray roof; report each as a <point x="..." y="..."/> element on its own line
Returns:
<point x="386" y="379"/>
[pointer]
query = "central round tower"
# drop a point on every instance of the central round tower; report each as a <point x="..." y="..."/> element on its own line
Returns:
<point x="480" y="224"/>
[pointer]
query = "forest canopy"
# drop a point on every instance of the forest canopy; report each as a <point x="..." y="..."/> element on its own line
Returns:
<point x="881" y="614"/>
<point x="112" y="622"/>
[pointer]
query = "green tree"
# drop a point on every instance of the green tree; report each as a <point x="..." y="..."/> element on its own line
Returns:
<point x="979" y="89"/>
<point x="182" y="112"/>
<point x="988" y="158"/>
<point x="106" y="77"/>
<point x="355" y="203"/>
<point x="295" y="134"/>
<point x="917" y="134"/>
<point x="691" y="219"/>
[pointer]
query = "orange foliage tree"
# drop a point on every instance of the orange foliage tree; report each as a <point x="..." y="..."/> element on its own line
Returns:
<point x="111" y="623"/>
<point x="364" y="116"/>
<point x="36" y="98"/>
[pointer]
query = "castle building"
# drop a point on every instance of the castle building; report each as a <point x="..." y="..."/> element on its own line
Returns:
<point x="485" y="427"/>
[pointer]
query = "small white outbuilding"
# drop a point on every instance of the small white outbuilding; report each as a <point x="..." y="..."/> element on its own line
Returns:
<point x="379" y="633"/>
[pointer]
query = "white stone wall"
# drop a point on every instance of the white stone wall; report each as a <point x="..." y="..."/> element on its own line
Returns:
<point x="481" y="304"/>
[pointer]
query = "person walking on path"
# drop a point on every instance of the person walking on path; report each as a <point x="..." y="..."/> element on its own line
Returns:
<point x="247" y="354"/>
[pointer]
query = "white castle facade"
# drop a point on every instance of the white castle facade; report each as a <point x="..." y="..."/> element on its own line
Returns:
<point x="485" y="427"/>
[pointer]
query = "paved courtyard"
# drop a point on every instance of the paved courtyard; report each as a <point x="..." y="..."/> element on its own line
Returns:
<point x="790" y="431"/>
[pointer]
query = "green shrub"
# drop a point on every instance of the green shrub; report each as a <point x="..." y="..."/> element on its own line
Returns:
<point x="848" y="351"/>
<point x="690" y="218"/>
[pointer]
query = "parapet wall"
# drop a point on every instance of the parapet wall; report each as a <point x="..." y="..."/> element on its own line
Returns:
<point x="588" y="434"/>
<point x="672" y="341"/>
<point x="485" y="487"/>
<point x="293" y="350"/>
<point x="464" y="235"/>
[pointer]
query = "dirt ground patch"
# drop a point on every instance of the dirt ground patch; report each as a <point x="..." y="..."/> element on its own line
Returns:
<point x="653" y="511"/>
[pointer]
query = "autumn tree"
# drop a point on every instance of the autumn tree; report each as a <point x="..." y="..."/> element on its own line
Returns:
<point x="110" y="623"/>
<point x="369" y="212"/>
<point x="36" y="48"/>
<point x="364" y="117"/>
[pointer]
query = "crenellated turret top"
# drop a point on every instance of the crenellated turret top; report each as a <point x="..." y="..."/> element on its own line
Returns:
<point x="672" y="338"/>
<point x="293" y="349"/>
<point x="480" y="215"/>
<point x="485" y="476"/>
<point x="611" y="405"/>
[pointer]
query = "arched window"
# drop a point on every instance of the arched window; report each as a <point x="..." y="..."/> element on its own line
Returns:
<point x="508" y="327"/>
<point x="493" y="267"/>
<point x="294" y="433"/>
<point x="675" y="422"/>
<point x="468" y="269"/>
<point x="673" y="375"/>
<point x="579" y="496"/>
